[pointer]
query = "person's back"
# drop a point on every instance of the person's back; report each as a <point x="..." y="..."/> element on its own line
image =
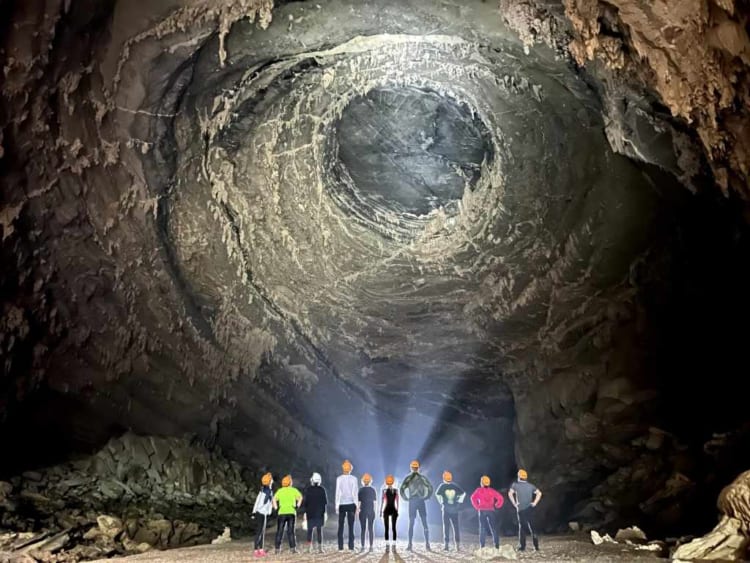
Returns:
<point x="315" y="500"/>
<point x="485" y="500"/>
<point x="525" y="493"/>
<point x="367" y="498"/>
<point x="450" y="497"/>
<point x="416" y="489"/>
<point x="525" y="496"/>
<point x="347" y="492"/>
<point x="286" y="500"/>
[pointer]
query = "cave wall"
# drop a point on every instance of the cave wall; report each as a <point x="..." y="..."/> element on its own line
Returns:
<point x="188" y="247"/>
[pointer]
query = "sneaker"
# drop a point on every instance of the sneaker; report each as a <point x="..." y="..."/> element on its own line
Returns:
<point x="294" y="550"/>
<point x="276" y="551"/>
<point x="263" y="552"/>
<point x="320" y="549"/>
<point x="445" y="548"/>
<point x="409" y="548"/>
<point x="427" y="547"/>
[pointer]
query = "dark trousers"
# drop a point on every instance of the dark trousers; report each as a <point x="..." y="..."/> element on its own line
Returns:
<point x="392" y="516"/>
<point x="450" y="519"/>
<point x="346" y="512"/>
<point x="487" y="526"/>
<point x="285" y="520"/>
<point x="525" y="525"/>
<point x="367" y="522"/>
<point x="315" y="524"/>
<point x="417" y="506"/>
<point x="260" y="538"/>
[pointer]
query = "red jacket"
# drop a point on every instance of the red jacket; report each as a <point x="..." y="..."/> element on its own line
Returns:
<point x="486" y="498"/>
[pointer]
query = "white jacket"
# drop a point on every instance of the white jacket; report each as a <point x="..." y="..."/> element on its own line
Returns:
<point x="263" y="503"/>
<point x="347" y="490"/>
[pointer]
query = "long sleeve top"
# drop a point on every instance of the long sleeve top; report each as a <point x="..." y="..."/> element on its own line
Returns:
<point x="347" y="490"/>
<point x="486" y="498"/>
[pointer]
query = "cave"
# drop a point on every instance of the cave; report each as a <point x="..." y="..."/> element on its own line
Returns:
<point x="248" y="236"/>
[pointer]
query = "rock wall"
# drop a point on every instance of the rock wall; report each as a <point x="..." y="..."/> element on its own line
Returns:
<point x="136" y="493"/>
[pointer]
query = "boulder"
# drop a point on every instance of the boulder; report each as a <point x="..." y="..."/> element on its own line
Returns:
<point x="633" y="534"/>
<point x="135" y="547"/>
<point x="225" y="537"/>
<point x="110" y="526"/>
<point x="730" y="539"/>
<point x="598" y="539"/>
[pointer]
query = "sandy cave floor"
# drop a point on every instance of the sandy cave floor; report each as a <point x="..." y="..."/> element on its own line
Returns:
<point x="556" y="548"/>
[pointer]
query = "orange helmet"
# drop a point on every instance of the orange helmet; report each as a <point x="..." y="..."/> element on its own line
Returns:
<point x="347" y="466"/>
<point x="286" y="481"/>
<point x="414" y="465"/>
<point x="485" y="481"/>
<point x="366" y="479"/>
<point x="447" y="476"/>
<point x="266" y="480"/>
<point x="389" y="480"/>
<point x="522" y="474"/>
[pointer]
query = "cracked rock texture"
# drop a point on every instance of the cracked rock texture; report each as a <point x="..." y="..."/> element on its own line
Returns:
<point x="381" y="231"/>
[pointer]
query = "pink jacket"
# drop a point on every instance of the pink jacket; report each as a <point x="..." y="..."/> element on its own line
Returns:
<point x="486" y="498"/>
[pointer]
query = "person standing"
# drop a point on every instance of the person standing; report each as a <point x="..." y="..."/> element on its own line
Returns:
<point x="367" y="502"/>
<point x="450" y="497"/>
<point x="485" y="500"/>
<point x="314" y="504"/>
<point x="525" y="496"/>
<point x="261" y="511"/>
<point x="286" y="500"/>
<point x="416" y="489"/>
<point x="389" y="508"/>
<point x="347" y="491"/>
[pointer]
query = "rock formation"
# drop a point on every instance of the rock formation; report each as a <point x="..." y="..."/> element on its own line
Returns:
<point x="377" y="230"/>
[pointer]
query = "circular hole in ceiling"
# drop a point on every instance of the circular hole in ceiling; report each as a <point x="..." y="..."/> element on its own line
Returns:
<point x="411" y="150"/>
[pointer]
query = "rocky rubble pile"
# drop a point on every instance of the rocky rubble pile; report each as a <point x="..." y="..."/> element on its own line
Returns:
<point x="135" y="494"/>
<point x="730" y="539"/>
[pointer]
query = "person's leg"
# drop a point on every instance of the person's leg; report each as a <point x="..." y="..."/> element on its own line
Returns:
<point x="494" y="529"/>
<point x="362" y="525"/>
<point x="259" y="535"/>
<point x="342" y="517"/>
<point x="386" y="518"/>
<point x="446" y="528"/>
<point x="320" y="534"/>
<point x="482" y="529"/>
<point x="412" y="517"/>
<point x="279" y="531"/>
<point x="394" y="517"/>
<point x="422" y="511"/>
<point x="371" y="527"/>
<point x="456" y="530"/>
<point x="350" y="520"/>
<point x="290" y="531"/>
<point x="530" y="526"/>
<point x="521" y="529"/>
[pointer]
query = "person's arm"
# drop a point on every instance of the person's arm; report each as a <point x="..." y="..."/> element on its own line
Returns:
<point x="512" y="496"/>
<point x="359" y="500"/>
<point x="275" y="503"/>
<point x="461" y="497"/>
<point x="299" y="500"/>
<point x="475" y="500"/>
<point x="404" y="487"/>
<point x="439" y="495"/>
<point x="537" y="497"/>
<point x="430" y="488"/>
<point x="499" y="500"/>
<point x="396" y="501"/>
<point x="374" y="501"/>
<point x="338" y="494"/>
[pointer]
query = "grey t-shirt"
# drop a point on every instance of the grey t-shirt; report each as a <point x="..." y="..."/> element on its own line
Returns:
<point x="525" y="493"/>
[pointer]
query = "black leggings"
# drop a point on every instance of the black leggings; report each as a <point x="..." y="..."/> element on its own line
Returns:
<point x="393" y="516"/>
<point x="261" y="537"/>
<point x="288" y="521"/>
<point x="317" y="524"/>
<point x="367" y="521"/>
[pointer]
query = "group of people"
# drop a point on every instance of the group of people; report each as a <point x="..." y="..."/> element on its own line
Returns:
<point x="359" y="498"/>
